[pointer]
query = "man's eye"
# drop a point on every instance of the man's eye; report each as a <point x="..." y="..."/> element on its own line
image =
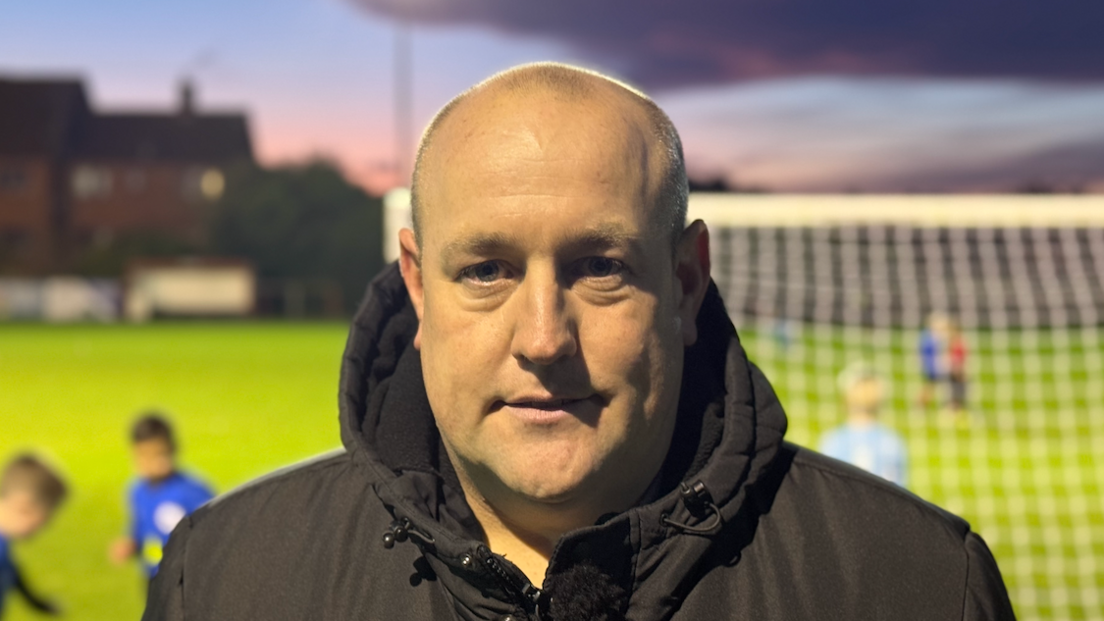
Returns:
<point x="486" y="272"/>
<point x="601" y="267"/>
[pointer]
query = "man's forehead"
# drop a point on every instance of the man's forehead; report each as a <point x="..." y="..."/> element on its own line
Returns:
<point x="590" y="237"/>
<point x="511" y="149"/>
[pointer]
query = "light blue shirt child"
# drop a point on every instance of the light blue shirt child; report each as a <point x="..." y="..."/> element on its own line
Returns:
<point x="872" y="447"/>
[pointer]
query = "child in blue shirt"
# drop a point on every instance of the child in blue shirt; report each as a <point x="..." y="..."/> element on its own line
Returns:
<point x="862" y="441"/>
<point x="159" y="498"/>
<point x="30" y="493"/>
<point x="933" y="355"/>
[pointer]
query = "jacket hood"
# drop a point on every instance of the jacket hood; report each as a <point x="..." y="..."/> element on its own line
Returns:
<point x="727" y="437"/>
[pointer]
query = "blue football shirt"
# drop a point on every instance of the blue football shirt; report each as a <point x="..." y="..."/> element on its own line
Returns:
<point x="7" y="571"/>
<point x="931" y="354"/>
<point x="156" y="508"/>
<point x="874" y="448"/>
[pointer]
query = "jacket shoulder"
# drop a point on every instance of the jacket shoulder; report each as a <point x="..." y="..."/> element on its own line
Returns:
<point x="832" y="541"/>
<point x="305" y="528"/>
<point x="297" y="479"/>
<point x="846" y="489"/>
<point x="828" y="540"/>
<point x="842" y="481"/>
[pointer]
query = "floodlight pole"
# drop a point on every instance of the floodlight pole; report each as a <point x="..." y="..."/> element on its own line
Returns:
<point x="404" y="98"/>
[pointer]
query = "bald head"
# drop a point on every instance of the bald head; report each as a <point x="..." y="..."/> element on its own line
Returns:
<point x="545" y="100"/>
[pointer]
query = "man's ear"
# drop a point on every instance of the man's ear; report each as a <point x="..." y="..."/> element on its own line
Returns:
<point x="692" y="277"/>
<point x="410" y="264"/>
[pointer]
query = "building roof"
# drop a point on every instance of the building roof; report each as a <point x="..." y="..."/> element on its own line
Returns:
<point x="175" y="137"/>
<point x="40" y="117"/>
<point x="52" y="118"/>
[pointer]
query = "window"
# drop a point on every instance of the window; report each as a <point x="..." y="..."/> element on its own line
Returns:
<point x="212" y="184"/>
<point x="91" y="182"/>
<point x="203" y="183"/>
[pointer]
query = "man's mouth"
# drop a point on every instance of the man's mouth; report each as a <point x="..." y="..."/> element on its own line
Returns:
<point x="543" y="404"/>
<point x="548" y="410"/>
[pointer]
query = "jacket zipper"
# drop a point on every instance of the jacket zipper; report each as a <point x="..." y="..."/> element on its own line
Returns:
<point x="532" y="597"/>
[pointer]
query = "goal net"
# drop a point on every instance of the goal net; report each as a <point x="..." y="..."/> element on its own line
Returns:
<point x="816" y="283"/>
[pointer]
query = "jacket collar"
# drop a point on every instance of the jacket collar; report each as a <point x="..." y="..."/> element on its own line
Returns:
<point x="729" y="429"/>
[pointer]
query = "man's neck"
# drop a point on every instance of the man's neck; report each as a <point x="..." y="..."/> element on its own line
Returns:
<point x="525" y="532"/>
<point x="530" y="551"/>
<point x="529" y="533"/>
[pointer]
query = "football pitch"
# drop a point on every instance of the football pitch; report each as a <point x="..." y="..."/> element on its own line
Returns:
<point x="249" y="397"/>
<point x="246" y="398"/>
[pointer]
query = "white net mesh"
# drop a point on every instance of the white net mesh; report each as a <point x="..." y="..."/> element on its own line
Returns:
<point x="1022" y="464"/>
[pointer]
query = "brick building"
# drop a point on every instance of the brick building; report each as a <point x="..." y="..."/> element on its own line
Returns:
<point x="73" y="178"/>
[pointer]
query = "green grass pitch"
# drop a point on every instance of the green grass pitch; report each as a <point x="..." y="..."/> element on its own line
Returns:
<point x="246" y="399"/>
<point x="249" y="397"/>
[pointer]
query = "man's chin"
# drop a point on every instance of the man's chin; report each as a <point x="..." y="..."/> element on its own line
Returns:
<point x="549" y="496"/>
<point x="545" y="486"/>
<point x="548" y="476"/>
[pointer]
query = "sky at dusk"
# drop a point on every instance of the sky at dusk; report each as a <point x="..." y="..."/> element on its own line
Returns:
<point x="788" y="95"/>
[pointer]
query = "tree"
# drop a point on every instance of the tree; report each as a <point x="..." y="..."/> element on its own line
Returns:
<point x="301" y="222"/>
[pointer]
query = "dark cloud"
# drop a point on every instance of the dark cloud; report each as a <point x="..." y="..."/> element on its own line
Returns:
<point x="1068" y="167"/>
<point x="663" y="43"/>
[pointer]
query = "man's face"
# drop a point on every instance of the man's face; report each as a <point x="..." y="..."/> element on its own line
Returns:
<point x="551" y="313"/>
<point x="153" y="459"/>
<point x="23" y="514"/>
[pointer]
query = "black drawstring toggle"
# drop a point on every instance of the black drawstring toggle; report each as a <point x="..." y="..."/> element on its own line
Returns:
<point x="396" y="532"/>
<point x="698" y="501"/>
<point x="401" y="530"/>
<point x="695" y="495"/>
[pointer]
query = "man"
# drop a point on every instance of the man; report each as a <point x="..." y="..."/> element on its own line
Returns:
<point x="548" y="415"/>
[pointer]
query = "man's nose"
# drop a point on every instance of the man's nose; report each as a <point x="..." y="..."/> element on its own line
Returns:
<point x="544" y="329"/>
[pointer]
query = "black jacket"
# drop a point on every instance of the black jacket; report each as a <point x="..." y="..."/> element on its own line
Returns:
<point x="745" y="525"/>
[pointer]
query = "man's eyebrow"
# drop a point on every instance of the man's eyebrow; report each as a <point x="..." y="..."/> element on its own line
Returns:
<point x="604" y="237"/>
<point x="591" y="239"/>
<point x="482" y="244"/>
